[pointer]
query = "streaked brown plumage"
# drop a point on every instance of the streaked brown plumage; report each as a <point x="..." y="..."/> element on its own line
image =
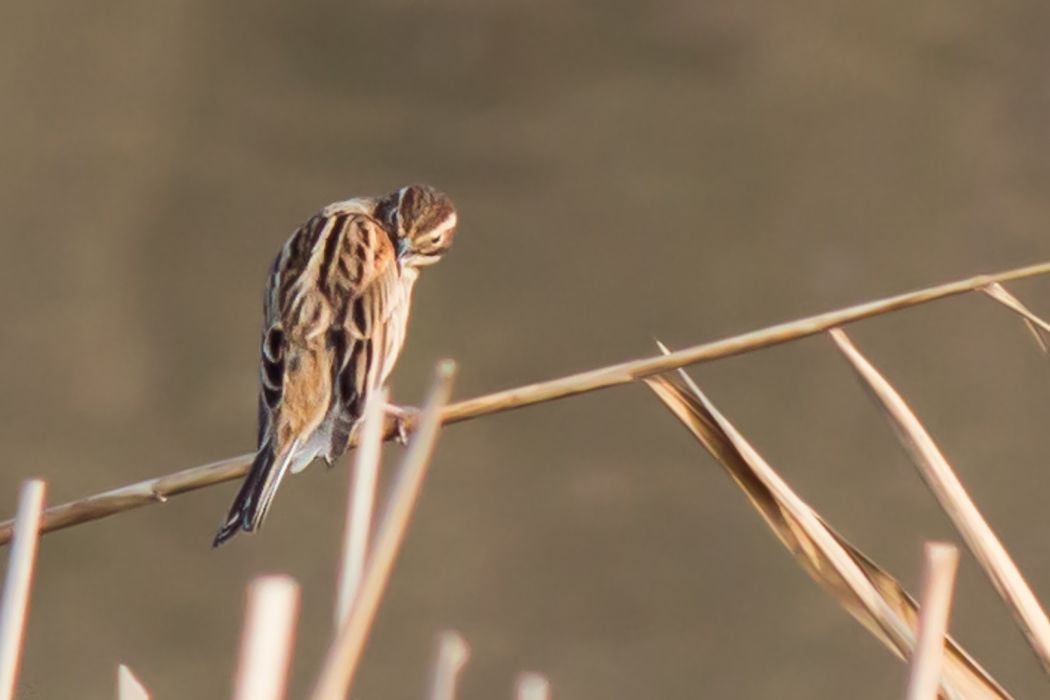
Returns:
<point x="336" y="310"/>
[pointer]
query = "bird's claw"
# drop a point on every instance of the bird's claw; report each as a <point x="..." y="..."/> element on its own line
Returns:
<point x="401" y="431"/>
<point x="404" y="418"/>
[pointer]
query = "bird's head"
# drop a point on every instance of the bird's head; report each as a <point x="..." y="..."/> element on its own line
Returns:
<point x="422" y="222"/>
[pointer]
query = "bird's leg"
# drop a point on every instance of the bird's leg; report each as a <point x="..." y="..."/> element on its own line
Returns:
<point x="404" y="418"/>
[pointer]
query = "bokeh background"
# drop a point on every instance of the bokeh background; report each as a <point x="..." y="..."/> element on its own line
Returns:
<point x="683" y="170"/>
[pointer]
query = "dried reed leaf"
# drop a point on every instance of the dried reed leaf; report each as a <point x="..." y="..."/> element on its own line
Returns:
<point x="956" y="503"/>
<point x="1038" y="327"/>
<point x="268" y="640"/>
<point x="360" y="504"/>
<point x="157" y="490"/>
<point x="341" y="662"/>
<point x="128" y="686"/>
<point x="859" y="585"/>
<point x="940" y="560"/>
<point x="452" y="654"/>
<point x="14" y="605"/>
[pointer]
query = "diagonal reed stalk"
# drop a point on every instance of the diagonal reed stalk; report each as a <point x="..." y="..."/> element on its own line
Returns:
<point x="128" y="686"/>
<point x="859" y="585"/>
<point x="956" y="503"/>
<point x="269" y="638"/>
<point x="940" y="560"/>
<point x="158" y="490"/>
<point x="360" y="504"/>
<point x="340" y="665"/>
<point x="14" y="604"/>
<point x="452" y="654"/>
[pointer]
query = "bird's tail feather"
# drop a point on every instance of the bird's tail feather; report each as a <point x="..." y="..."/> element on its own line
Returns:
<point x="253" y="501"/>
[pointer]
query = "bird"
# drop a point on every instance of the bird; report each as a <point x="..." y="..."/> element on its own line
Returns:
<point x="336" y="310"/>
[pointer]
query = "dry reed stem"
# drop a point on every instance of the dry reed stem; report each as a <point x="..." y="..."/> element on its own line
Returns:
<point x="269" y="638"/>
<point x="452" y="654"/>
<point x="1036" y="325"/>
<point x="940" y="560"/>
<point x="532" y="686"/>
<point x="15" y="602"/>
<point x="360" y="504"/>
<point x="338" y="671"/>
<point x="956" y="503"/>
<point x="128" y="686"/>
<point x="159" y="489"/>
<point x="871" y="595"/>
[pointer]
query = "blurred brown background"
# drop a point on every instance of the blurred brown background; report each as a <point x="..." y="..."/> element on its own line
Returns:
<point x="625" y="171"/>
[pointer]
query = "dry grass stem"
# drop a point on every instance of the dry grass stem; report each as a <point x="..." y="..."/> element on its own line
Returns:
<point x="956" y="502"/>
<point x="940" y="560"/>
<point x="360" y="504"/>
<point x="159" y="489"/>
<point x="1036" y="325"/>
<point x="533" y="686"/>
<point x="128" y="686"/>
<point x="268" y="640"/>
<point x="338" y="671"/>
<point x="862" y="587"/>
<point x="452" y="654"/>
<point x="15" y="602"/>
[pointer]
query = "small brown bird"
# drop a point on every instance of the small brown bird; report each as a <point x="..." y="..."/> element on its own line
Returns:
<point x="336" y="310"/>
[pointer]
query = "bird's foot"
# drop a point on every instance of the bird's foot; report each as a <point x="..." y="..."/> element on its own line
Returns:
<point x="404" y="419"/>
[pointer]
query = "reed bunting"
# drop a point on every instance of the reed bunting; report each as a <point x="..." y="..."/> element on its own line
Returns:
<point x="336" y="310"/>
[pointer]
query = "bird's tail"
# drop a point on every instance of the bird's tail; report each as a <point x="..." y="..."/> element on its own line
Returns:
<point x="253" y="501"/>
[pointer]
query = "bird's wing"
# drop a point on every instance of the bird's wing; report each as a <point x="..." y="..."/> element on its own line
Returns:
<point x="293" y="310"/>
<point x="273" y="345"/>
<point x="364" y="277"/>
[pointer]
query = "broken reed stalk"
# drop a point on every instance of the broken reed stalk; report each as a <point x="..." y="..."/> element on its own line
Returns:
<point x="940" y="560"/>
<point x="360" y="504"/>
<point x="452" y="654"/>
<point x="337" y="674"/>
<point x="1036" y="325"/>
<point x="532" y="686"/>
<point x="157" y="490"/>
<point x="873" y="597"/>
<point x="128" y="686"/>
<point x="796" y="512"/>
<point x="15" y="602"/>
<point x="269" y="638"/>
<point x="956" y="502"/>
